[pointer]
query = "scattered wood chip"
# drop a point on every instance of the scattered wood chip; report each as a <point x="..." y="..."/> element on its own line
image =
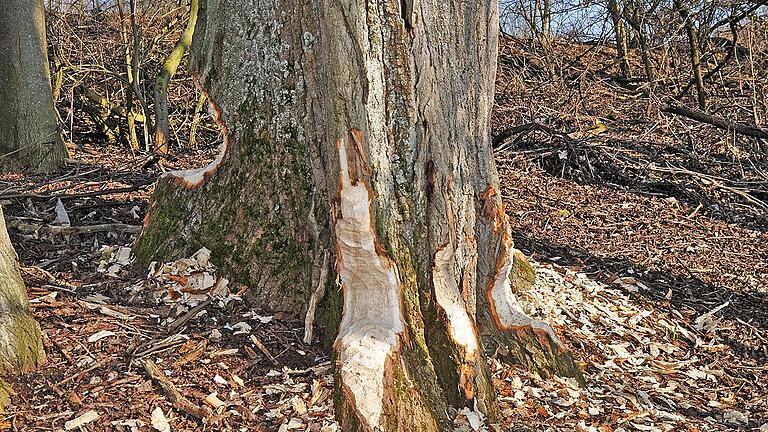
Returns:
<point x="159" y="422"/>
<point x="99" y="335"/>
<point x="213" y="400"/>
<point x="81" y="420"/>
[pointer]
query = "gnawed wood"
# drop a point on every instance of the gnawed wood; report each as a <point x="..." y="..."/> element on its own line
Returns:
<point x="518" y="337"/>
<point x="369" y="335"/>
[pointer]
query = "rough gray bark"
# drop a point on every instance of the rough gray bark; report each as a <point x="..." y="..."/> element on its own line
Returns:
<point x="30" y="139"/>
<point x="359" y="130"/>
<point x="21" y="347"/>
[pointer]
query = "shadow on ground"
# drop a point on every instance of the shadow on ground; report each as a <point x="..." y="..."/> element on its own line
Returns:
<point x="746" y="315"/>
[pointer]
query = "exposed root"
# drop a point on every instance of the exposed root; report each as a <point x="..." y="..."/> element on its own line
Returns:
<point x="372" y="320"/>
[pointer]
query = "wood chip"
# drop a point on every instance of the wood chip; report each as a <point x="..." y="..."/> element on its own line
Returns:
<point x="86" y="418"/>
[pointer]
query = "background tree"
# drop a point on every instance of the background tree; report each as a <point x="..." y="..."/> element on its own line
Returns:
<point x="361" y="131"/>
<point x="30" y="139"/>
<point x="164" y="77"/>
<point x="620" y="35"/>
<point x="694" y="53"/>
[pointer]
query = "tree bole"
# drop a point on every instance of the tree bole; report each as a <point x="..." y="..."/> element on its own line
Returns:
<point x="21" y="344"/>
<point x="361" y="131"/>
<point x="30" y="139"/>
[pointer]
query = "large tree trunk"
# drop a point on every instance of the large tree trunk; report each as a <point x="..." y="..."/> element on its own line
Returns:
<point x="21" y="347"/>
<point x="30" y="139"/>
<point x="360" y="131"/>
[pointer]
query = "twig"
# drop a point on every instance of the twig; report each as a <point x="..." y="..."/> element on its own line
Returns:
<point x="80" y="374"/>
<point x="178" y="400"/>
<point x="264" y="350"/>
<point x="175" y="325"/>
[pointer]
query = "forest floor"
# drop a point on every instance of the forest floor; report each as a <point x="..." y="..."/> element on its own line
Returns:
<point x="648" y="234"/>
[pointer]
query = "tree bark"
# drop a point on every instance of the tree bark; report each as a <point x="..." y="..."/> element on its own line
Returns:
<point x="361" y="130"/>
<point x="21" y="347"/>
<point x="30" y="139"/>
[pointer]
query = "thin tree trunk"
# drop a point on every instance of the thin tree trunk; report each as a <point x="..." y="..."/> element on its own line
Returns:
<point x="134" y="74"/>
<point x="133" y="138"/>
<point x="361" y="130"/>
<point x="30" y="139"/>
<point x="164" y="77"/>
<point x="621" y="37"/>
<point x="21" y="346"/>
<point x="693" y="50"/>
<point x="636" y="19"/>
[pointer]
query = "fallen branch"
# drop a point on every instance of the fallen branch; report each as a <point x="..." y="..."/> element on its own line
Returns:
<point x="718" y="122"/>
<point x="172" y="327"/>
<point x="75" y="230"/>
<point x="178" y="400"/>
<point x="90" y="229"/>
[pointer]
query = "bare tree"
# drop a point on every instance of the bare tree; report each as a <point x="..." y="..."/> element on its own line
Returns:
<point x="620" y="35"/>
<point x="30" y="139"/>
<point x="164" y="77"/>
<point x="693" y="50"/>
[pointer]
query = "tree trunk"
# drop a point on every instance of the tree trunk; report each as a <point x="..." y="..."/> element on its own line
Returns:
<point x="361" y="131"/>
<point x="620" y="34"/>
<point x="21" y="347"/>
<point x="636" y="18"/>
<point x="693" y="51"/>
<point x="30" y="139"/>
<point x="164" y="77"/>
